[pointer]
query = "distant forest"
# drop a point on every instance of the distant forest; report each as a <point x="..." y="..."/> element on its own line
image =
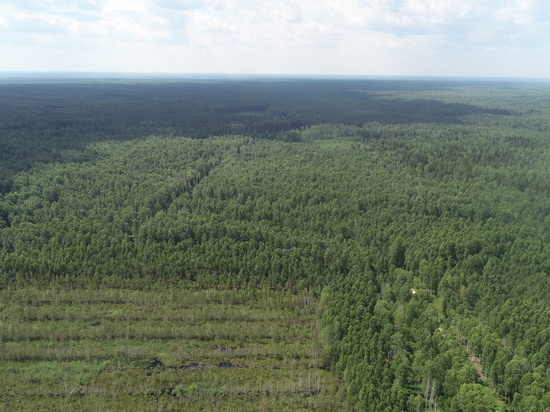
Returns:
<point x="416" y="211"/>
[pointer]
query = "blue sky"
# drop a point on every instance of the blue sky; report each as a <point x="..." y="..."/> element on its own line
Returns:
<point x="501" y="38"/>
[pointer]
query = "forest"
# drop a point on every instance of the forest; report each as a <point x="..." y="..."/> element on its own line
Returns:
<point x="274" y="244"/>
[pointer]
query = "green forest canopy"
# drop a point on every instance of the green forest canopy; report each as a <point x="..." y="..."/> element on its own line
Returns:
<point x="417" y="210"/>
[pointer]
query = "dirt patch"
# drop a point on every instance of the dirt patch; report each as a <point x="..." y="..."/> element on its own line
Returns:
<point x="155" y="364"/>
<point x="477" y="364"/>
<point x="230" y="365"/>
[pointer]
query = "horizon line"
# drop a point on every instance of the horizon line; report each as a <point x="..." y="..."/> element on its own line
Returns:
<point x="183" y="75"/>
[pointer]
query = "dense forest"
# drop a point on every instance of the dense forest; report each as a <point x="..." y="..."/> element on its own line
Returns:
<point x="415" y="211"/>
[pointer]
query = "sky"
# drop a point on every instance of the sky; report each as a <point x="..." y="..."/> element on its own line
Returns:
<point x="489" y="38"/>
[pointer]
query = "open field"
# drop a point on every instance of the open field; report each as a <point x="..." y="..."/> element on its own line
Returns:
<point x="160" y="349"/>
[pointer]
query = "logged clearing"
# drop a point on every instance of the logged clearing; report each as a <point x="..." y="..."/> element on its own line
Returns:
<point x="165" y="348"/>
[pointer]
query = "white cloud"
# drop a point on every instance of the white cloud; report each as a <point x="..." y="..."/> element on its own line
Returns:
<point x="348" y="36"/>
<point x="177" y="5"/>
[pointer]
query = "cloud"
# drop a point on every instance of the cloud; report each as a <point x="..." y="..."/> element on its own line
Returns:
<point x="118" y="20"/>
<point x="286" y="34"/>
<point x="51" y="6"/>
<point x="302" y="22"/>
<point x="179" y="5"/>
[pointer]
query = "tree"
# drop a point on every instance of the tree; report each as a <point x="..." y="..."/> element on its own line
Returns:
<point x="472" y="397"/>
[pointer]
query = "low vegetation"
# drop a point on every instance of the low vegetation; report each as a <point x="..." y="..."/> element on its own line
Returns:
<point x="163" y="347"/>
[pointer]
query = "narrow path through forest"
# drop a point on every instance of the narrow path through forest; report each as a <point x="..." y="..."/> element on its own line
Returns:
<point x="476" y="362"/>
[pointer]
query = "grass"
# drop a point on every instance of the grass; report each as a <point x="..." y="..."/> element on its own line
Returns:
<point x="171" y="348"/>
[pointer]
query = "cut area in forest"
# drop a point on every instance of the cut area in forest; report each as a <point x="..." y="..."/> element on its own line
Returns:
<point x="168" y="348"/>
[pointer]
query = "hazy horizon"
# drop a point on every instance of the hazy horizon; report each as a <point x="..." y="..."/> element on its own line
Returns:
<point x="244" y="76"/>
